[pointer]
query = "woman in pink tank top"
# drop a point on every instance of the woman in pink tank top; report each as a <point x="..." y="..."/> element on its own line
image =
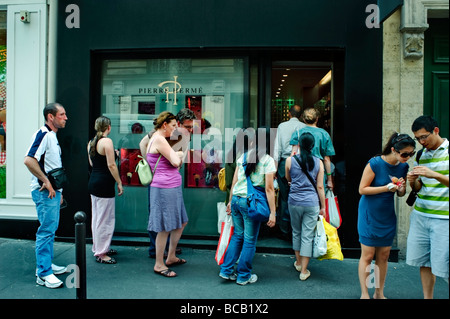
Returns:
<point x="167" y="211"/>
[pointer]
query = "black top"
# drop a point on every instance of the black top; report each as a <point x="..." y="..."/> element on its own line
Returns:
<point x="101" y="182"/>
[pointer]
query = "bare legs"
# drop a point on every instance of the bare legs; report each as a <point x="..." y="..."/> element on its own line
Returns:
<point x="302" y="261"/>
<point x="161" y="241"/>
<point x="381" y="263"/>
<point x="428" y="281"/>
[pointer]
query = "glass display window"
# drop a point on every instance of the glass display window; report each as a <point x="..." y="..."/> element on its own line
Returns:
<point x="135" y="92"/>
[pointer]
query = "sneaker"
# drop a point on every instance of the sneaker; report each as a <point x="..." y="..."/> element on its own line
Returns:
<point x="253" y="278"/>
<point x="49" y="281"/>
<point x="230" y="277"/>
<point x="57" y="270"/>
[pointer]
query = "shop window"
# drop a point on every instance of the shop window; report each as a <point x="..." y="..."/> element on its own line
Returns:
<point x="135" y="92"/>
<point x="2" y="104"/>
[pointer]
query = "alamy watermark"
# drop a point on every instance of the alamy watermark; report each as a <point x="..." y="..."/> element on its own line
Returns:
<point x="73" y="279"/>
<point x="373" y="19"/>
<point x="373" y="279"/>
<point x="73" y="19"/>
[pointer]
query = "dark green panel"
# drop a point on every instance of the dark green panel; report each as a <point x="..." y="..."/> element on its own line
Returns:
<point x="436" y="73"/>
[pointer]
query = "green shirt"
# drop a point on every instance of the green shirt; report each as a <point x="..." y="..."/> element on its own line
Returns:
<point x="265" y="166"/>
<point x="322" y="146"/>
<point x="432" y="199"/>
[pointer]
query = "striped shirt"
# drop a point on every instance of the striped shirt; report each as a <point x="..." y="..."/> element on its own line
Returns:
<point x="432" y="199"/>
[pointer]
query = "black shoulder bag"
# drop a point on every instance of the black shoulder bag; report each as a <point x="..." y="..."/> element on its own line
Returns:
<point x="57" y="176"/>
<point x="413" y="195"/>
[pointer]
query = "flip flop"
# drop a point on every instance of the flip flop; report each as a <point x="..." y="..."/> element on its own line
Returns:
<point x="178" y="262"/>
<point x="165" y="272"/>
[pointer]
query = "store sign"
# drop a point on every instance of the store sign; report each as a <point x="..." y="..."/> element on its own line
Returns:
<point x="170" y="87"/>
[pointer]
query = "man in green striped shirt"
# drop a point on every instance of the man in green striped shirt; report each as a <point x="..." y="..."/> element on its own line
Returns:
<point x="428" y="238"/>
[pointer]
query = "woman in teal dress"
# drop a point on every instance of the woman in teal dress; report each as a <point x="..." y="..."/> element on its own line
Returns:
<point x="383" y="176"/>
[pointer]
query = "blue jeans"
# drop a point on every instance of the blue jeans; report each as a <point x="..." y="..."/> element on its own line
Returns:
<point x="243" y="241"/>
<point x="48" y="216"/>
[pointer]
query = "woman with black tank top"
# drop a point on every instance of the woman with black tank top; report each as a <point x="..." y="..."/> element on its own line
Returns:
<point x="103" y="178"/>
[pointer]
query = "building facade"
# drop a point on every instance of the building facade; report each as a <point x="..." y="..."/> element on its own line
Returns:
<point x="235" y="64"/>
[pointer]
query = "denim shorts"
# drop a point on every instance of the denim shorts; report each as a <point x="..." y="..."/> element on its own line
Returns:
<point x="428" y="244"/>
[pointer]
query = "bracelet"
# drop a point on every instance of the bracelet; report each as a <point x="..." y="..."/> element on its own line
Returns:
<point x="328" y="174"/>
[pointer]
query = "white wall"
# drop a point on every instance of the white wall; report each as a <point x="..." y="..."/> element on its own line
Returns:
<point x="26" y="97"/>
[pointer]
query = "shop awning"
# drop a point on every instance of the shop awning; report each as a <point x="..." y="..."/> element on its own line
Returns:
<point x="388" y="7"/>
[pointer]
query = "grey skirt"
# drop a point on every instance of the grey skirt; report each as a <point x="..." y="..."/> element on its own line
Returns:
<point x="167" y="211"/>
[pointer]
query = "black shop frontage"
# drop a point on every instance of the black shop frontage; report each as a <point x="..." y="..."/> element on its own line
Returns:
<point x="236" y="64"/>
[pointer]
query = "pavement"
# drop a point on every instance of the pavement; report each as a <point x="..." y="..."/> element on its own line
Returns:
<point x="198" y="283"/>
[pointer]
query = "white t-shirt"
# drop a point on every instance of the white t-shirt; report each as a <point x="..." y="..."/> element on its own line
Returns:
<point x="46" y="150"/>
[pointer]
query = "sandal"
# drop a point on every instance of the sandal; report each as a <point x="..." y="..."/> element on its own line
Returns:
<point x="165" y="272"/>
<point x="111" y="252"/>
<point x="105" y="261"/>
<point x="178" y="262"/>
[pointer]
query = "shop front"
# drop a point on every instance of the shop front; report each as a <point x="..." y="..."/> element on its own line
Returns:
<point x="223" y="92"/>
<point x="236" y="64"/>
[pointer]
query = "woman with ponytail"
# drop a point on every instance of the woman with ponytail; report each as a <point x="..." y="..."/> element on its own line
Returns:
<point x="306" y="201"/>
<point x="383" y="176"/>
<point x="104" y="175"/>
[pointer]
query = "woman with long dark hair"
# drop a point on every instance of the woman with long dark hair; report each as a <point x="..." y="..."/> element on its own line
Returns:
<point x="261" y="169"/>
<point x="383" y="176"/>
<point x="306" y="201"/>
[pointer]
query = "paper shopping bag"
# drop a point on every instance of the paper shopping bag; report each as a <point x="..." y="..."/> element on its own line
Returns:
<point x="224" y="240"/>
<point x="333" y="214"/>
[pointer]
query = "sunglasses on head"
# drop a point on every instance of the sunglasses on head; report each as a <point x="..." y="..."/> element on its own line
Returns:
<point x="406" y="155"/>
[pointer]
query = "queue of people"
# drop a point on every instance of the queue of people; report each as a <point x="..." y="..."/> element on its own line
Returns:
<point x="306" y="172"/>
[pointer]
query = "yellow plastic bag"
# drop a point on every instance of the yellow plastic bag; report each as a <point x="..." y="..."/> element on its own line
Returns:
<point x="333" y="243"/>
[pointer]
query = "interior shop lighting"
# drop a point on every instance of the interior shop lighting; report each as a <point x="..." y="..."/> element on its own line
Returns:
<point x="326" y="78"/>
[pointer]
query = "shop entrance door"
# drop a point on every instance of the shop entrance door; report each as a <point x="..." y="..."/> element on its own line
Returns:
<point x="307" y="84"/>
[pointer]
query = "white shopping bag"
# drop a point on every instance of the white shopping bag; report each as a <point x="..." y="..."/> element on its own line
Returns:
<point x="333" y="214"/>
<point x="320" y="239"/>
<point x="224" y="240"/>
<point x="221" y="214"/>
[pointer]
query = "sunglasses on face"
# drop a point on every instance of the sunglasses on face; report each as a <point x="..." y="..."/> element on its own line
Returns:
<point x="406" y="155"/>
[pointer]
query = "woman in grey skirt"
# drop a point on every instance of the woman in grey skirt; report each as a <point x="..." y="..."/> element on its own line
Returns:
<point x="167" y="211"/>
<point x="303" y="201"/>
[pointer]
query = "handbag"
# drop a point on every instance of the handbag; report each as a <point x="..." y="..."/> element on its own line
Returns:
<point x="57" y="177"/>
<point x="333" y="215"/>
<point x="221" y="177"/>
<point x="320" y="239"/>
<point x="258" y="207"/>
<point x="224" y="239"/>
<point x="145" y="172"/>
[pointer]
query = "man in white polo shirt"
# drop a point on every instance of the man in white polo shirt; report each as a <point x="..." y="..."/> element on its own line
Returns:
<point x="428" y="238"/>
<point x="42" y="156"/>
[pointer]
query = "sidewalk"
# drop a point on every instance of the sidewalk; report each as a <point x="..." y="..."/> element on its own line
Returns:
<point x="133" y="277"/>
